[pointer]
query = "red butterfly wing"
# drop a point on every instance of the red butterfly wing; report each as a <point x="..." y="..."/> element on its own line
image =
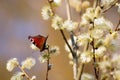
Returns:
<point x="39" y="41"/>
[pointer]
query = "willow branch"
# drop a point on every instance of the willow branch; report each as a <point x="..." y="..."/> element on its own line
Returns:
<point x="116" y="29"/>
<point x="80" y="71"/>
<point x="47" y="69"/>
<point x="68" y="10"/>
<point x="110" y="6"/>
<point x="94" y="59"/>
<point x="63" y="35"/>
<point x="48" y="63"/>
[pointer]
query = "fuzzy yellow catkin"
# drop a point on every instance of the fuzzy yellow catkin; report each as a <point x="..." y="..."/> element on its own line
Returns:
<point x="97" y="12"/>
<point x="76" y="4"/>
<point x="71" y="62"/>
<point x="114" y="35"/>
<point x="70" y="56"/>
<point x="85" y="4"/>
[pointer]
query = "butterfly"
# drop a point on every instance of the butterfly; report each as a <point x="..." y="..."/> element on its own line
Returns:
<point x="39" y="41"/>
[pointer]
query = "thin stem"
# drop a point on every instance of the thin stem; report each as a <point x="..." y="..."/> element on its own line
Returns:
<point x="48" y="64"/>
<point x="68" y="10"/>
<point x="81" y="71"/>
<point x="72" y="40"/>
<point x="24" y="72"/>
<point x="110" y="6"/>
<point x="75" y="68"/>
<point x="63" y="35"/>
<point x="94" y="59"/>
<point x="47" y="69"/>
<point x="117" y="25"/>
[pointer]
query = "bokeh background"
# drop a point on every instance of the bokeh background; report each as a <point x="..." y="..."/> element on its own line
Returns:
<point x="20" y="18"/>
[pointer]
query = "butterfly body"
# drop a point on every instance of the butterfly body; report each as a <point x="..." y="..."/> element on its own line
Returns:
<point x="39" y="41"/>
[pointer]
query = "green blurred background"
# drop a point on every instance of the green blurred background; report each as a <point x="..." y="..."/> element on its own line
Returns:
<point x="20" y="18"/>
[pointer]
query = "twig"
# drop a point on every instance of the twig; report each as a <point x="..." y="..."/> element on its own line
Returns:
<point x="75" y="68"/>
<point x="68" y="10"/>
<point x="47" y="69"/>
<point x="110" y="6"/>
<point x="94" y="59"/>
<point x="48" y="63"/>
<point x="116" y="29"/>
<point x="24" y="72"/>
<point x="63" y="35"/>
<point x="81" y="71"/>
